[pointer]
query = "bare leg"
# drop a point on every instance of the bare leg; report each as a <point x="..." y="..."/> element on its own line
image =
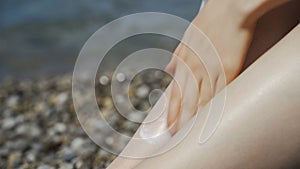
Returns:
<point x="211" y="20"/>
<point x="260" y="127"/>
<point x="126" y="163"/>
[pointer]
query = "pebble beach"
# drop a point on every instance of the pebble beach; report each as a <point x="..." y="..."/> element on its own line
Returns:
<point x="39" y="127"/>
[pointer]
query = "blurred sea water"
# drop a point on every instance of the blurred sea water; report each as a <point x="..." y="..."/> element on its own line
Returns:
<point x="44" y="37"/>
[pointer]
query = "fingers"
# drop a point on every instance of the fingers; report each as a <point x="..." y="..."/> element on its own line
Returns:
<point x="184" y="88"/>
<point x="189" y="102"/>
<point x="174" y="106"/>
<point x="175" y="100"/>
<point x="191" y="93"/>
<point x="171" y="67"/>
<point x="207" y="92"/>
<point x="176" y="85"/>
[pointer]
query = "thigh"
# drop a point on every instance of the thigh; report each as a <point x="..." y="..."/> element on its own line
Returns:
<point x="260" y="127"/>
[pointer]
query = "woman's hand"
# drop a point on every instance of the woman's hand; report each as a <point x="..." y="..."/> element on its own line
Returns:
<point x="227" y="24"/>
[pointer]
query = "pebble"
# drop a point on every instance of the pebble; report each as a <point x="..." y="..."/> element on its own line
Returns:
<point x="62" y="98"/>
<point x="65" y="166"/>
<point x="136" y="116"/>
<point x="159" y="74"/>
<point x="129" y="125"/>
<point x="109" y="140"/>
<point x="107" y="103"/>
<point x="9" y="123"/>
<point x="7" y="113"/>
<point x="67" y="154"/>
<point x="41" y="107"/>
<point x="103" y="153"/>
<point x="77" y="143"/>
<point x="29" y="130"/>
<point x="14" y="160"/>
<point x="45" y="167"/>
<point x="60" y="127"/>
<point x="78" y="163"/>
<point x="142" y="91"/>
<point x="2" y="163"/>
<point x="31" y="156"/>
<point x="120" y="77"/>
<point x="120" y="98"/>
<point x="18" y="145"/>
<point x="83" y="146"/>
<point x="12" y="101"/>
<point x="4" y="151"/>
<point x="104" y="80"/>
<point x="39" y="127"/>
<point x="52" y="143"/>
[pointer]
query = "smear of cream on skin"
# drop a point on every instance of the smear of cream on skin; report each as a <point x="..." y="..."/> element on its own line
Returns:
<point x="156" y="132"/>
<point x="151" y="136"/>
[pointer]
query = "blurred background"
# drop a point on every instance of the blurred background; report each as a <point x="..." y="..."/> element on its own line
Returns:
<point x="44" y="37"/>
<point x="39" y="43"/>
